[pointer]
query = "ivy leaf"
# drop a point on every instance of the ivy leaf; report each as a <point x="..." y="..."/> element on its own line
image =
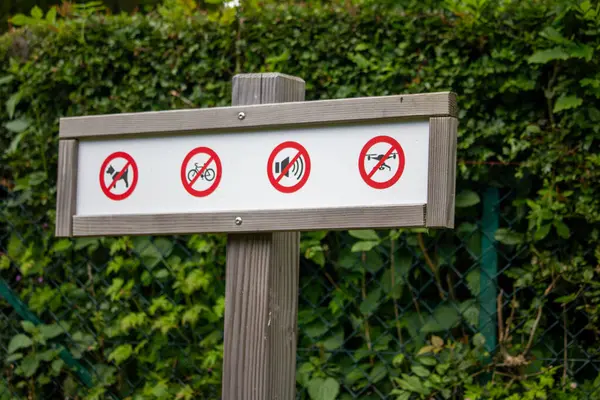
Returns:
<point x="6" y="79"/>
<point x="378" y="373"/>
<point x="51" y="15"/>
<point x="565" y="102"/>
<point x="445" y="317"/>
<point x="466" y="198"/>
<point x="370" y="303"/>
<point x="335" y="341"/>
<point x="364" y="245"/>
<point x="544" y="56"/>
<point x="50" y="331"/>
<point x="13" y="358"/>
<point x="19" y="341"/>
<point x="508" y="237"/>
<point x="542" y="232"/>
<point x="323" y="389"/>
<point x="37" y="13"/>
<point x="413" y="384"/>
<point x="17" y="126"/>
<point x="420" y="371"/>
<point x="29" y="365"/>
<point x="562" y="229"/>
<point x="120" y="354"/>
<point x="364" y="234"/>
<point x="474" y="281"/>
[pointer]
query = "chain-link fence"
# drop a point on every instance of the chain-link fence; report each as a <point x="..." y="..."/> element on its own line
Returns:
<point x="382" y="315"/>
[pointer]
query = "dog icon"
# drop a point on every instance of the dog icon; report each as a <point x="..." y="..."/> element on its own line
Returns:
<point x="111" y="171"/>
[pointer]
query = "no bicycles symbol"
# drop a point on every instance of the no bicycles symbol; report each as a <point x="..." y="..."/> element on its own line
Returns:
<point x="381" y="162"/>
<point x="201" y="172"/>
<point x="118" y="176"/>
<point x="288" y="167"/>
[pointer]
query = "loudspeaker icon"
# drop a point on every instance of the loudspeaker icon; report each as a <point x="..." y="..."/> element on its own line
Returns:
<point x="297" y="169"/>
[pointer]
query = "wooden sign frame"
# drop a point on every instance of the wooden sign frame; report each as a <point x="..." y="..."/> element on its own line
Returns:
<point x="439" y="108"/>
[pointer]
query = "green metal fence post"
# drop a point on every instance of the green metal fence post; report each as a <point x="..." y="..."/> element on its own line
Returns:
<point x="489" y="269"/>
<point x="24" y="312"/>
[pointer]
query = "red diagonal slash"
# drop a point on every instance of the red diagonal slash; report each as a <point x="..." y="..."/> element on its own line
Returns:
<point x="287" y="167"/>
<point x="380" y="162"/>
<point x="119" y="175"/>
<point x="210" y="159"/>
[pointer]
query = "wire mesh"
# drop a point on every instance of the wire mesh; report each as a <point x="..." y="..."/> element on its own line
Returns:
<point x="143" y="317"/>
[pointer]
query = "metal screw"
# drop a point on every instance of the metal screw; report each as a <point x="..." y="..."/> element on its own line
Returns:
<point x="238" y="220"/>
<point x="241" y="115"/>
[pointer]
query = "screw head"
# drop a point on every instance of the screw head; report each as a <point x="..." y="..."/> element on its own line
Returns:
<point x="241" y="115"/>
<point x="238" y="220"/>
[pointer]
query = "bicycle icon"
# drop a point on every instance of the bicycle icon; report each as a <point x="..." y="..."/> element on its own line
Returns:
<point x="208" y="174"/>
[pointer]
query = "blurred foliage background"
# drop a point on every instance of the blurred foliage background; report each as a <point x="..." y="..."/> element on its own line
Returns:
<point x="506" y="306"/>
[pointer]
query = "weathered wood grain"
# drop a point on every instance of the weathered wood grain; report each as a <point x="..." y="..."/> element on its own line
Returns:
<point x="278" y="87"/>
<point x="261" y="300"/>
<point x="441" y="185"/>
<point x="252" y="221"/>
<point x="66" y="187"/>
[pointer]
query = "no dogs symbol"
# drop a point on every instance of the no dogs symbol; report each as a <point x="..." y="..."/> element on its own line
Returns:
<point x="118" y="176"/>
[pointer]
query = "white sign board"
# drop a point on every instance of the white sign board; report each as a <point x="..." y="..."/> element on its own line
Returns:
<point x="353" y="166"/>
<point x="188" y="171"/>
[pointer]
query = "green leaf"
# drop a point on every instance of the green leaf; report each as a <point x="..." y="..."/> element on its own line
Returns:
<point x="398" y="360"/>
<point x="395" y="290"/>
<point x="28" y="327"/>
<point x="364" y="234"/>
<point x="474" y="281"/>
<point x="565" y="102"/>
<point x="544" y="56"/>
<point x="555" y="36"/>
<point x="37" y="12"/>
<point x="323" y="389"/>
<point x="562" y="229"/>
<point x="429" y="361"/>
<point x="17" y="126"/>
<point x="508" y="237"/>
<point x="6" y="79"/>
<point x="19" y="20"/>
<point x="413" y="384"/>
<point x="121" y="353"/>
<point x="378" y="372"/>
<point x="566" y="299"/>
<point x="444" y="317"/>
<point x="29" y="365"/>
<point x="19" y="341"/>
<point x="478" y="340"/>
<point x="335" y="341"/>
<point x="51" y="331"/>
<point x="363" y="246"/>
<point x="420" y="371"/>
<point x="371" y="302"/>
<point x="467" y="198"/>
<point x="13" y="358"/>
<point x="542" y="232"/>
<point x="361" y="47"/>
<point x="51" y="15"/>
<point x="12" y="103"/>
<point x="57" y="365"/>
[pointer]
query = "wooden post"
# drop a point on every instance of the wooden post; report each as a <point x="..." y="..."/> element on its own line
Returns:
<point x="262" y="274"/>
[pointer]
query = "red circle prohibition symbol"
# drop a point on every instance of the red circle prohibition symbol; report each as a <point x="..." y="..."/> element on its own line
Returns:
<point x="116" y="175"/>
<point x="368" y="176"/>
<point x="276" y="180"/>
<point x="189" y="176"/>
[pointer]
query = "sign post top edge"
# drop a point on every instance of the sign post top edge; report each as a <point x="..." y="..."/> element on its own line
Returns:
<point x="355" y="109"/>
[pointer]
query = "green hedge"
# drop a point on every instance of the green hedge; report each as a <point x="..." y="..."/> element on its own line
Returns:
<point x="146" y="314"/>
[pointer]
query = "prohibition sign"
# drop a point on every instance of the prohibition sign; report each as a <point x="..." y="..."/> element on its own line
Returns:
<point x="205" y="172"/>
<point x="394" y="150"/>
<point x="115" y="174"/>
<point x="296" y="167"/>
